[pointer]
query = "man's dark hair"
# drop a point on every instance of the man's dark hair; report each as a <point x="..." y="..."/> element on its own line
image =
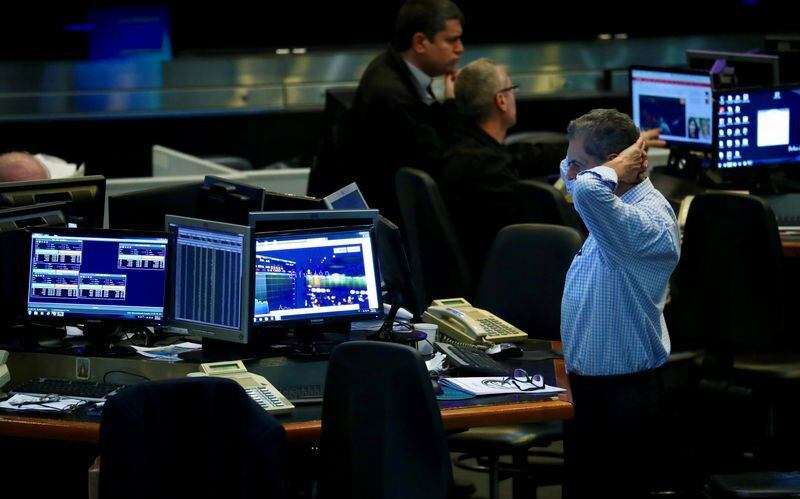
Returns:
<point x="604" y="132"/>
<point x="423" y="16"/>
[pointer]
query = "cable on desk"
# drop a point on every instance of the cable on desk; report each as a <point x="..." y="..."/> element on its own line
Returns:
<point x="105" y="376"/>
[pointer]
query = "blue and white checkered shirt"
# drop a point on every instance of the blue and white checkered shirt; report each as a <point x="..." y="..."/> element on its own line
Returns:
<point x="612" y="310"/>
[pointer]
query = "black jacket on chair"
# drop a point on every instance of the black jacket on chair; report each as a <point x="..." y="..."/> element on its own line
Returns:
<point x="477" y="180"/>
<point x="389" y="127"/>
<point x="191" y="437"/>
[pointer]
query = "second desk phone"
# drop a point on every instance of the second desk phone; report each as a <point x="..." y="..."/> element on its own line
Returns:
<point x="460" y="322"/>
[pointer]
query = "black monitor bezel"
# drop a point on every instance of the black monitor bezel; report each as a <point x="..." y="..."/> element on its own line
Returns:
<point x="243" y="335"/>
<point x="672" y="144"/>
<point x="91" y="232"/>
<point x="65" y="184"/>
<point x="715" y="55"/>
<point x="715" y="158"/>
<point x="311" y="321"/>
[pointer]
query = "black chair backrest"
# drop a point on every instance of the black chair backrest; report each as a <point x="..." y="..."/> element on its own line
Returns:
<point x="206" y="430"/>
<point x="728" y="291"/>
<point x="382" y="431"/>
<point x="541" y="203"/>
<point x="437" y="263"/>
<point x="524" y="276"/>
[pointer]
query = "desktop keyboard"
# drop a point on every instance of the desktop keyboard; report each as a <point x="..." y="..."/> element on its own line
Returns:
<point x="77" y="389"/>
<point x="471" y="360"/>
<point x="305" y="394"/>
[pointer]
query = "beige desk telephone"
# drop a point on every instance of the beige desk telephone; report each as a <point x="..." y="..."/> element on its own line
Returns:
<point x="5" y="374"/>
<point x="257" y="387"/>
<point x="460" y="322"/>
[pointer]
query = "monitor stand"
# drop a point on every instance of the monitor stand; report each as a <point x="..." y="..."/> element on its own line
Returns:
<point x="218" y="351"/>
<point x="387" y="332"/>
<point x="99" y="338"/>
<point x="42" y="335"/>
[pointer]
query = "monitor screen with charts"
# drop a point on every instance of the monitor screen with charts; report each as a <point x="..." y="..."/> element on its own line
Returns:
<point x="678" y="102"/>
<point x="77" y="275"/>
<point x="210" y="281"/>
<point x="316" y="275"/>
<point x="758" y="127"/>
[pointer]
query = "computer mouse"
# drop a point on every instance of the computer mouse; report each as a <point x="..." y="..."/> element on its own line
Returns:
<point x="504" y="351"/>
<point x="437" y="388"/>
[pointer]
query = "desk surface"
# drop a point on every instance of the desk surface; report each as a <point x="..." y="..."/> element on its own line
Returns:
<point x="301" y="425"/>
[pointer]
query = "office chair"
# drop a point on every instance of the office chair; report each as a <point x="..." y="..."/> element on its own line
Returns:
<point x="189" y="437"/>
<point x="728" y="289"/>
<point x="537" y="258"/>
<point x="329" y="171"/>
<point x="541" y="203"/>
<point x="438" y="266"/>
<point x="728" y="300"/>
<point x="382" y="432"/>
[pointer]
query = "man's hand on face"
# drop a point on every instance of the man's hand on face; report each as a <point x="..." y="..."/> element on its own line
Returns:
<point x="631" y="164"/>
<point x="450" y="84"/>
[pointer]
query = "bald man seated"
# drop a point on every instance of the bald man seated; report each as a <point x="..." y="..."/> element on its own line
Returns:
<point x="20" y="166"/>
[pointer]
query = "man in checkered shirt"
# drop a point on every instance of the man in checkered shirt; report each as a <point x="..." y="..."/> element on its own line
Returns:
<point x="612" y="322"/>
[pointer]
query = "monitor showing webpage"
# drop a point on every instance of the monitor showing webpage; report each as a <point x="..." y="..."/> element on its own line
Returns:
<point x="316" y="274"/>
<point x="678" y="102"/>
<point x="758" y="127"/>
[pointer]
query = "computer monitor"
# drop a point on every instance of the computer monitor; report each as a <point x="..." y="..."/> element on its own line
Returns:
<point x="348" y="197"/>
<point x="316" y="276"/>
<point x="395" y="269"/>
<point x="169" y="163"/>
<point x="284" y="201"/>
<point x="758" y="127"/>
<point x="227" y="201"/>
<point x="101" y="278"/>
<point x="274" y="221"/>
<point x="680" y="102"/>
<point x="736" y="69"/>
<point x="85" y="197"/>
<point x="146" y="210"/>
<point x="36" y="215"/>
<point x="210" y="281"/>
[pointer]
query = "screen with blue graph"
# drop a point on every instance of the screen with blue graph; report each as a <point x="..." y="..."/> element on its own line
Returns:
<point x="327" y="273"/>
<point x="97" y="276"/>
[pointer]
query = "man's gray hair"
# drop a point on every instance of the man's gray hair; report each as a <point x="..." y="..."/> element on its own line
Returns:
<point x="476" y="87"/>
<point x="604" y="132"/>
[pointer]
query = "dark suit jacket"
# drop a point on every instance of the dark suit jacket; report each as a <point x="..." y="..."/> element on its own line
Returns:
<point x="477" y="178"/>
<point x="389" y="127"/>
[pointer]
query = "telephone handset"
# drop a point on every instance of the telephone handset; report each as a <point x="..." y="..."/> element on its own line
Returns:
<point x="460" y="322"/>
<point x="5" y="374"/>
<point x="257" y="387"/>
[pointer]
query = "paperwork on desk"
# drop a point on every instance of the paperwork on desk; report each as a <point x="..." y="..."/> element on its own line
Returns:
<point x="168" y="353"/>
<point x="496" y="386"/>
<point x="29" y="401"/>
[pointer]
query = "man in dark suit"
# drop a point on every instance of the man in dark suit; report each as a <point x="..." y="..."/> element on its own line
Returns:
<point x="479" y="172"/>
<point x="395" y="120"/>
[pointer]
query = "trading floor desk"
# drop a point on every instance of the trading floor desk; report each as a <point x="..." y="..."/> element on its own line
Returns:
<point x="302" y="425"/>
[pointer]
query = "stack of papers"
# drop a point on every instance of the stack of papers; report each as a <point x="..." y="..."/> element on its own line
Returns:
<point x="169" y="352"/>
<point x="497" y="386"/>
<point x="22" y="402"/>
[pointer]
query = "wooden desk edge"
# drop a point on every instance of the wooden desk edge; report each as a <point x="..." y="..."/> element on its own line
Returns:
<point x="791" y="248"/>
<point x="309" y="431"/>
